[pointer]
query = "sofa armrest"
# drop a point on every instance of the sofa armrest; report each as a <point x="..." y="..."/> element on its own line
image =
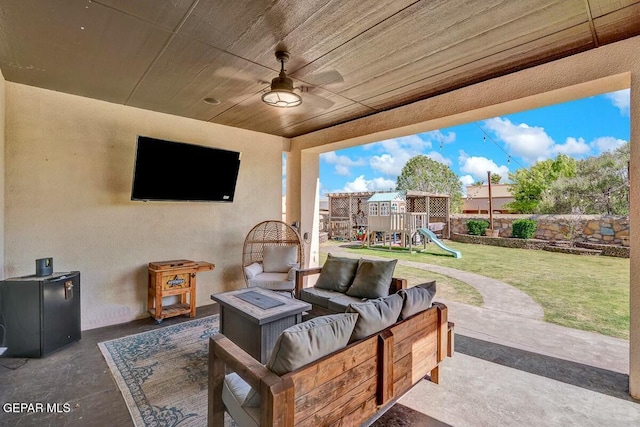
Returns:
<point x="225" y="356"/>
<point x="397" y="284"/>
<point x="301" y="274"/>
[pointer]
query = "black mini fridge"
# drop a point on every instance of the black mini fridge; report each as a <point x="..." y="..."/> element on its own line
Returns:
<point x="40" y="314"/>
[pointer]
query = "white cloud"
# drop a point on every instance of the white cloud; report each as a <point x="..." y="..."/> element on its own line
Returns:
<point x="362" y="184"/>
<point x="477" y="168"/>
<point x="467" y="180"/>
<point x="435" y="136"/>
<point x="388" y="164"/>
<point x="621" y="100"/>
<point x="572" y="147"/>
<point x="435" y="155"/>
<point x="396" y="153"/>
<point x="606" y="143"/>
<point x="342" y="163"/>
<point x="529" y="143"/>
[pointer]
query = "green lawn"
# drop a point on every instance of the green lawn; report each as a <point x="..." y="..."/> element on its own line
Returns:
<point x="580" y="292"/>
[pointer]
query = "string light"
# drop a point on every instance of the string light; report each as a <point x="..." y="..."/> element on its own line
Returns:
<point x="486" y="136"/>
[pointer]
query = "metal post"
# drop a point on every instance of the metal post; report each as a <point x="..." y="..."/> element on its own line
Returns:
<point x="490" y="202"/>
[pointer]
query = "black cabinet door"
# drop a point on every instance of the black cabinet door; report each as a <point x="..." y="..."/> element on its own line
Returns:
<point x="60" y="312"/>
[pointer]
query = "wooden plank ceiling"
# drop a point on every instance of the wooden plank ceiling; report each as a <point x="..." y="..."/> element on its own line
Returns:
<point x="351" y="57"/>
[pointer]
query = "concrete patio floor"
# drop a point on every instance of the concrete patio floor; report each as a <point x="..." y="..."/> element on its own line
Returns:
<point x="494" y="381"/>
<point x="510" y="368"/>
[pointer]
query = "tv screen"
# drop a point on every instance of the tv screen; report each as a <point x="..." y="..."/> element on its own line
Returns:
<point x="166" y="170"/>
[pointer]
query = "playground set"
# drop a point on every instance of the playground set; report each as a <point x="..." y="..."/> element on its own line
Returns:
<point x="394" y="219"/>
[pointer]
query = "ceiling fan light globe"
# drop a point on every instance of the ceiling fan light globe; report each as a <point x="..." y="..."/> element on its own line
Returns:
<point x="282" y="98"/>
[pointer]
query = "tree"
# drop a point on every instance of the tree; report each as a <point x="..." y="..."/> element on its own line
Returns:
<point x="530" y="184"/>
<point x="424" y="174"/>
<point x="600" y="186"/>
<point x="495" y="178"/>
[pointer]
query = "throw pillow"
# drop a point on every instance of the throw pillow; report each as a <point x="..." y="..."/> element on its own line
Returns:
<point x="417" y="299"/>
<point x="337" y="273"/>
<point x="279" y="259"/>
<point x="375" y="315"/>
<point x="306" y="342"/>
<point x="252" y="270"/>
<point x="373" y="279"/>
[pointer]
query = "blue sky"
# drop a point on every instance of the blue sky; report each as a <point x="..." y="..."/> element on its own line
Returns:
<point x="580" y="129"/>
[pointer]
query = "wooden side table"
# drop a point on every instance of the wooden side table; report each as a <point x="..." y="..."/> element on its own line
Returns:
<point x="176" y="277"/>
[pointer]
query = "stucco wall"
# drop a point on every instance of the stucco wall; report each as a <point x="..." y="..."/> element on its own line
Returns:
<point x="69" y="165"/>
<point x="2" y="169"/>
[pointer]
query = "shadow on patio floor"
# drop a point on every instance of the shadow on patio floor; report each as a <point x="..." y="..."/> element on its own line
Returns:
<point x="591" y="378"/>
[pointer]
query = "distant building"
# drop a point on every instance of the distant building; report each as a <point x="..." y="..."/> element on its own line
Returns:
<point x="477" y="198"/>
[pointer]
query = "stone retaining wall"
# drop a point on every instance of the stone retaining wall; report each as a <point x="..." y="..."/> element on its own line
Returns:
<point x="512" y="242"/>
<point x="595" y="229"/>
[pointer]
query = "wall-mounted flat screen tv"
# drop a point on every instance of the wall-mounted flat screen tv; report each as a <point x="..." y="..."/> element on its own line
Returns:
<point x="176" y="171"/>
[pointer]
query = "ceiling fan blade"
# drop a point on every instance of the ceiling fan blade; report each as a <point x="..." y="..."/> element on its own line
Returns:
<point x="316" y="100"/>
<point x="325" y="78"/>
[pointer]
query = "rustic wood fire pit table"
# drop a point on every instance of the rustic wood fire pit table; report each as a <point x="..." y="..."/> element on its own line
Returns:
<point x="253" y="318"/>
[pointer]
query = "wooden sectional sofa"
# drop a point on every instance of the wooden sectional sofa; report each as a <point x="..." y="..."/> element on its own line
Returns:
<point x="351" y="386"/>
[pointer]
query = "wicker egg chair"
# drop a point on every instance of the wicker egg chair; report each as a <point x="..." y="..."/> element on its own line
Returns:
<point x="270" y="233"/>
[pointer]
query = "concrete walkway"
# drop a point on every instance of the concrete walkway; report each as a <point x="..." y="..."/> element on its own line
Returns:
<point x="513" y="369"/>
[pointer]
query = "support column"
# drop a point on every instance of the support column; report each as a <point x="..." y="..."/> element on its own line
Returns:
<point x="303" y="204"/>
<point x="634" y="234"/>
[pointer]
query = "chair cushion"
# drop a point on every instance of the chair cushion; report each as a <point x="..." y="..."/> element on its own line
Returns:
<point x="417" y="299"/>
<point x="251" y="270"/>
<point x="373" y="278"/>
<point x="304" y="343"/>
<point x="375" y="315"/>
<point x="337" y="273"/>
<point x="273" y="281"/>
<point x="308" y="341"/>
<point x="319" y="297"/>
<point x="234" y="393"/>
<point x="279" y="259"/>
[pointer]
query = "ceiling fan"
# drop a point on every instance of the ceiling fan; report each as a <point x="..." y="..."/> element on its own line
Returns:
<point x="281" y="92"/>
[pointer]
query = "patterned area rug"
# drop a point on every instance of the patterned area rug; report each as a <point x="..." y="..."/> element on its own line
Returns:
<point x="162" y="373"/>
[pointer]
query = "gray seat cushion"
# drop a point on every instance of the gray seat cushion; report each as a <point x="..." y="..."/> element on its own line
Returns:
<point x="339" y="303"/>
<point x="273" y="281"/>
<point x="319" y="297"/>
<point x="234" y="393"/>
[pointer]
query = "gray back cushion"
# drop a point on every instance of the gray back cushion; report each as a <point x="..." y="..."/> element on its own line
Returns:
<point x="417" y="299"/>
<point x="309" y="341"/>
<point x="337" y="273"/>
<point x="373" y="279"/>
<point x="375" y="315"/>
<point x="279" y="259"/>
